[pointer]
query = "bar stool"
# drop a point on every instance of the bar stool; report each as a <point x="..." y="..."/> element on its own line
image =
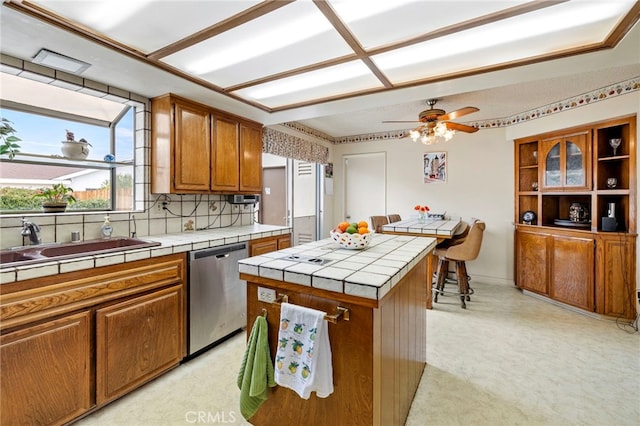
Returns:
<point x="394" y="218"/>
<point x="467" y="249"/>
<point x="377" y="222"/>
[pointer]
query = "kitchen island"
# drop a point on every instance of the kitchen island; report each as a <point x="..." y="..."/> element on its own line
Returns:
<point x="378" y="345"/>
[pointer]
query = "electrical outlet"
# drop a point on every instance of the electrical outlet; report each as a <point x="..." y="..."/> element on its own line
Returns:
<point x="236" y="208"/>
<point x="266" y="295"/>
<point x="213" y="206"/>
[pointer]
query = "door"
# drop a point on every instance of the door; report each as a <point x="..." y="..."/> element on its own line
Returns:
<point x="365" y="186"/>
<point x="273" y="203"/>
<point x="304" y="202"/>
<point x="572" y="272"/>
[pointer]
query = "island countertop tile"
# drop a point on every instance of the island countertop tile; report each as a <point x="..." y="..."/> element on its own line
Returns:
<point x="368" y="273"/>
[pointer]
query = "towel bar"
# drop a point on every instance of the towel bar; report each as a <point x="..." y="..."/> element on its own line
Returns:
<point x="342" y="312"/>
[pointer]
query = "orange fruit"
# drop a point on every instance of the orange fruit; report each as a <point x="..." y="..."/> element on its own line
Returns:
<point x="363" y="224"/>
<point x="343" y="226"/>
<point x="363" y="230"/>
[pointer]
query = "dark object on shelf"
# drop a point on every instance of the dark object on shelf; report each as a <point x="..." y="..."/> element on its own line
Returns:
<point x="578" y="212"/>
<point x="528" y="217"/>
<point x="571" y="223"/>
<point x="609" y="224"/>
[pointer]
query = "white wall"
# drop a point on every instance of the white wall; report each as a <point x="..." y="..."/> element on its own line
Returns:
<point x="480" y="178"/>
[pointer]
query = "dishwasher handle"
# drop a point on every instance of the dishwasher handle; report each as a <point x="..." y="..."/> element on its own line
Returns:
<point x="218" y="252"/>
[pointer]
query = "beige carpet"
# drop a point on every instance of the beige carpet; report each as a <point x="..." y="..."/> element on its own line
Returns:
<point x="508" y="359"/>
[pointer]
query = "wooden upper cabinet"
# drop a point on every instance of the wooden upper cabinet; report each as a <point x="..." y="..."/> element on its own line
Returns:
<point x="250" y="159"/>
<point x="566" y="163"/>
<point x="197" y="149"/>
<point x="192" y="148"/>
<point x="225" y="156"/>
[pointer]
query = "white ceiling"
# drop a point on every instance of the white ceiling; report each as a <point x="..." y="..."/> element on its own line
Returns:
<point x="379" y="59"/>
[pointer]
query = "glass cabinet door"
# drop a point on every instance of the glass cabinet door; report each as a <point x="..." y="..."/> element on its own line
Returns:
<point x="552" y="167"/>
<point x="566" y="163"/>
<point x="575" y="165"/>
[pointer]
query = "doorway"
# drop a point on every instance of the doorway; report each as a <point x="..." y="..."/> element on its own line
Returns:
<point x="365" y="189"/>
<point x="290" y="196"/>
<point x="274" y="196"/>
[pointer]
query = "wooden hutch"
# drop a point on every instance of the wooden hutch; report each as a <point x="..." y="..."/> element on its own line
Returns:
<point x="566" y="182"/>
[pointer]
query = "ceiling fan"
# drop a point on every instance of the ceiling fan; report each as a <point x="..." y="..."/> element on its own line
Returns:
<point x="435" y="123"/>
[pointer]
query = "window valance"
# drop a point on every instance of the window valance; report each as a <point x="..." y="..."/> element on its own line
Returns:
<point x="285" y="145"/>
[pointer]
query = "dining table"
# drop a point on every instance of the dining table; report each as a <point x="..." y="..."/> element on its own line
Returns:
<point x="438" y="228"/>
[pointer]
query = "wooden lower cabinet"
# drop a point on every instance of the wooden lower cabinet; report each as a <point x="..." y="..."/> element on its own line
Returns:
<point x="46" y="372"/>
<point x="137" y="340"/>
<point x="615" y="275"/>
<point x="72" y="342"/>
<point x="571" y="272"/>
<point x="269" y="244"/>
<point x="591" y="271"/>
<point x="531" y="260"/>
<point x="378" y="356"/>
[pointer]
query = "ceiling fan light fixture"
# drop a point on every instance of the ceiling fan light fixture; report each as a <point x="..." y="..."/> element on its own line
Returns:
<point x="448" y="134"/>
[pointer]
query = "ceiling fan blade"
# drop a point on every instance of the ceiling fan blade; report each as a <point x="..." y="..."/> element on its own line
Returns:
<point x="461" y="127"/>
<point x="458" y="113"/>
<point x="401" y="121"/>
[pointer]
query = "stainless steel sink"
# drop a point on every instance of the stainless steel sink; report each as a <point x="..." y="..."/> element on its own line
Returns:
<point x="47" y="252"/>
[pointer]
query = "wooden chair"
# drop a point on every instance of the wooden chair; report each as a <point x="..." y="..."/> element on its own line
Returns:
<point x="394" y="218"/>
<point x="468" y="249"/>
<point x="377" y="222"/>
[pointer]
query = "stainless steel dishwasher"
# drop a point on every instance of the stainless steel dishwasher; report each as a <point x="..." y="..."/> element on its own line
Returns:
<point x="217" y="296"/>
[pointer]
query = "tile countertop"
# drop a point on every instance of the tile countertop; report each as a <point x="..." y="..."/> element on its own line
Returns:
<point x="368" y="273"/>
<point x="444" y="227"/>
<point x="170" y="244"/>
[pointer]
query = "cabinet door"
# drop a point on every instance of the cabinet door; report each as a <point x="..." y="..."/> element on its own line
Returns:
<point x="615" y="269"/>
<point x="46" y="372"/>
<point x="284" y="242"/>
<point x="250" y="159"/>
<point x="138" y="339"/>
<point x="225" y="158"/>
<point x="256" y="248"/>
<point x="192" y="148"/>
<point x="572" y="271"/>
<point x="566" y="163"/>
<point x="531" y="262"/>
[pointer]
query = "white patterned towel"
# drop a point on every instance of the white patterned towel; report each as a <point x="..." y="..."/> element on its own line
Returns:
<point x="303" y="360"/>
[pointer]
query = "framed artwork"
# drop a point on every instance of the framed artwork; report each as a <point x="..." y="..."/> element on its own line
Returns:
<point x="435" y="167"/>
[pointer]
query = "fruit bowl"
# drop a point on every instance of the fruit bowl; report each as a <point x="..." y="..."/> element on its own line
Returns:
<point x="351" y="241"/>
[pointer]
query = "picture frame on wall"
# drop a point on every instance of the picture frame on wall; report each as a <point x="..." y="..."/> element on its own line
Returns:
<point x="435" y="167"/>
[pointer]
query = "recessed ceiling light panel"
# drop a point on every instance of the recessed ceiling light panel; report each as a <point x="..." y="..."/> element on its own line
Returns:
<point x="60" y="62"/>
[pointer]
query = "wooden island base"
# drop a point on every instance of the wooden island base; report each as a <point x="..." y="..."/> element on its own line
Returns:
<point x="378" y="355"/>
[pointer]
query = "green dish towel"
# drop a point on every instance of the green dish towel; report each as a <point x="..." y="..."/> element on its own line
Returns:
<point x="256" y="371"/>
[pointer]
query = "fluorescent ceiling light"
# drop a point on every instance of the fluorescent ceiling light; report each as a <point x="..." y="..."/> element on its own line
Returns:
<point x="309" y="80"/>
<point x="351" y="11"/>
<point x="495" y="34"/>
<point x="60" y="62"/>
<point x="250" y="45"/>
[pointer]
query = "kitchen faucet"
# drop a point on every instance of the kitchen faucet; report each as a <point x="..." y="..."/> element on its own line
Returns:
<point x="31" y="230"/>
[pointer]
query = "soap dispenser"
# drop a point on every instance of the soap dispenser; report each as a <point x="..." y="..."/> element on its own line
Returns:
<point x="107" y="229"/>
